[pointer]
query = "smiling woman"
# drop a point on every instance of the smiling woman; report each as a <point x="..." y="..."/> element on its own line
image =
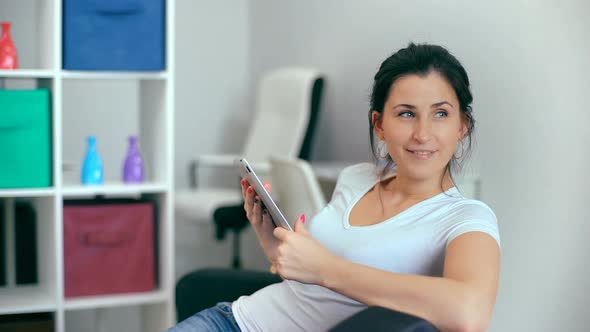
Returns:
<point x="440" y="114"/>
<point x="396" y="234"/>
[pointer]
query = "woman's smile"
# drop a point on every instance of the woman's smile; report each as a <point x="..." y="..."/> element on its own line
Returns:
<point x="421" y="154"/>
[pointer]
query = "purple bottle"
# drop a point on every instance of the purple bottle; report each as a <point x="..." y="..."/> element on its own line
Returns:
<point x="133" y="166"/>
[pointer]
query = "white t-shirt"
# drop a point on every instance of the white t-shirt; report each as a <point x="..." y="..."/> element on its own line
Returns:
<point x="412" y="242"/>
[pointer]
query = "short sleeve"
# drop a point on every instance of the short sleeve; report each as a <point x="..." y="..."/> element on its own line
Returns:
<point x="473" y="216"/>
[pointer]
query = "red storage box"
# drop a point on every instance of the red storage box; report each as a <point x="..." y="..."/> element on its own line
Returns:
<point x="108" y="248"/>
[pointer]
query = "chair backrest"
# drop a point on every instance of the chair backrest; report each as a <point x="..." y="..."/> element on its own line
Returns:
<point x="316" y="98"/>
<point x="295" y="188"/>
<point x="284" y="104"/>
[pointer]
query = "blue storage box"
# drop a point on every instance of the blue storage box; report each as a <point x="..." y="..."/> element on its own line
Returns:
<point x="114" y="35"/>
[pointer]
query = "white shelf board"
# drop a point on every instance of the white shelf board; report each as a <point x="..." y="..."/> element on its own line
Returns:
<point x="114" y="75"/>
<point x="26" y="299"/>
<point x="113" y="188"/>
<point x="27" y="73"/>
<point x="102" y="301"/>
<point x="27" y="192"/>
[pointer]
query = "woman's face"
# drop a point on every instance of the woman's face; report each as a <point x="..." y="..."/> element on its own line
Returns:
<point x="421" y="125"/>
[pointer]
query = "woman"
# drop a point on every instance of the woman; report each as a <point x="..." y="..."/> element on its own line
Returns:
<point x="397" y="233"/>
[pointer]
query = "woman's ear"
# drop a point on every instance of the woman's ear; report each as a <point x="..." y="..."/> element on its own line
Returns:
<point x="464" y="129"/>
<point x="377" y="121"/>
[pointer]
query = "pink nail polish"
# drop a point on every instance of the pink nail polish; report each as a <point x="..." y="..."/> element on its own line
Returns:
<point x="302" y="218"/>
<point x="249" y="190"/>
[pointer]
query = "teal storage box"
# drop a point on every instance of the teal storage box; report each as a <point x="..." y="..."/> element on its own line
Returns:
<point x="25" y="139"/>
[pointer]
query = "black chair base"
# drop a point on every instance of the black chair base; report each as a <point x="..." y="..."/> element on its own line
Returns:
<point x="231" y="218"/>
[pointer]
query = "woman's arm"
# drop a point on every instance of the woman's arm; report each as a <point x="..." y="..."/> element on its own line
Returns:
<point x="461" y="300"/>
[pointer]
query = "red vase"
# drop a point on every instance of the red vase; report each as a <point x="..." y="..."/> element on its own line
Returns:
<point x="8" y="57"/>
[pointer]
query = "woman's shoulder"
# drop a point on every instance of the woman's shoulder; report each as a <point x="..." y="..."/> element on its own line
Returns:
<point x="472" y="206"/>
<point x="355" y="177"/>
<point x="470" y="215"/>
<point x="359" y="168"/>
<point x="361" y="171"/>
<point x="457" y="215"/>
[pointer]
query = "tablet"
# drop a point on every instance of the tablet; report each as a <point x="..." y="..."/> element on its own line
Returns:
<point x="248" y="173"/>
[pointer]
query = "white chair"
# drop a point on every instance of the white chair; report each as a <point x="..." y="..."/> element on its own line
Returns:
<point x="280" y="125"/>
<point x="296" y="188"/>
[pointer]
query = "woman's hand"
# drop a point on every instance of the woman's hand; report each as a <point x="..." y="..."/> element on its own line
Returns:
<point x="260" y="220"/>
<point x="300" y="257"/>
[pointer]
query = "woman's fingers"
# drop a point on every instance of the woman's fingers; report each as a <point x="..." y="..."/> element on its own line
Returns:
<point x="249" y="197"/>
<point x="266" y="219"/>
<point x="256" y="212"/>
<point x="249" y="201"/>
<point x="244" y="185"/>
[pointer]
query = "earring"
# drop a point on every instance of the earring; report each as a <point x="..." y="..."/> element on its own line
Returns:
<point x="382" y="152"/>
<point x="462" y="151"/>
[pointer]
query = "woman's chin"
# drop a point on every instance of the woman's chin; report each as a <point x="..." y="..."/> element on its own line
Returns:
<point x="418" y="173"/>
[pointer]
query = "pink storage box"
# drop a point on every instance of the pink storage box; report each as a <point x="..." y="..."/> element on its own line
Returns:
<point x="108" y="248"/>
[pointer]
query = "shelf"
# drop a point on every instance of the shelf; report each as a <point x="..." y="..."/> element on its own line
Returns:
<point x="114" y="75"/>
<point x="113" y="188"/>
<point x="27" y="73"/>
<point x="27" y="192"/>
<point x="25" y="300"/>
<point x="110" y="105"/>
<point x="102" y="301"/>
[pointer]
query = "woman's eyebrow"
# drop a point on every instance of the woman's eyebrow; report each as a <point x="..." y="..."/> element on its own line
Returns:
<point x="440" y="103"/>
<point x="405" y="105"/>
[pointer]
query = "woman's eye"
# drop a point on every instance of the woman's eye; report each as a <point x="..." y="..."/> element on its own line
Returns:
<point x="406" y="114"/>
<point x="442" y="114"/>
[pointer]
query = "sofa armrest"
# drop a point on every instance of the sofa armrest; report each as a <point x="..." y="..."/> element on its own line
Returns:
<point x="204" y="288"/>
<point x="378" y="319"/>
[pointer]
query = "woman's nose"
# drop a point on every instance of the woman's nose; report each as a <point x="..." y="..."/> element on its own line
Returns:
<point x="422" y="132"/>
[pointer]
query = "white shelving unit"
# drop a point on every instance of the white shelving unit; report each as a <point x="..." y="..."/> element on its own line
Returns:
<point x="155" y="109"/>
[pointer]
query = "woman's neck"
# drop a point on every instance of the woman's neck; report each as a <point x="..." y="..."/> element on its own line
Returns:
<point x="404" y="188"/>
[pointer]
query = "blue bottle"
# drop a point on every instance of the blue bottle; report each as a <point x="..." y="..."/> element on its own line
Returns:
<point x="92" y="172"/>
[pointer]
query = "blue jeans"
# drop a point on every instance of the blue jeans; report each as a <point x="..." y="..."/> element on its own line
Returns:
<point x="215" y="319"/>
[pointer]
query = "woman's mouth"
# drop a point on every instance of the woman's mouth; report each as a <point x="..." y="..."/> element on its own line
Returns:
<point x="422" y="154"/>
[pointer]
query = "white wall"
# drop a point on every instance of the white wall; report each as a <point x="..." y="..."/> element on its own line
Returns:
<point x="23" y="35"/>
<point x="529" y="66"/>
<point x="212" y="102"/>
<point x="212" y="79"/>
